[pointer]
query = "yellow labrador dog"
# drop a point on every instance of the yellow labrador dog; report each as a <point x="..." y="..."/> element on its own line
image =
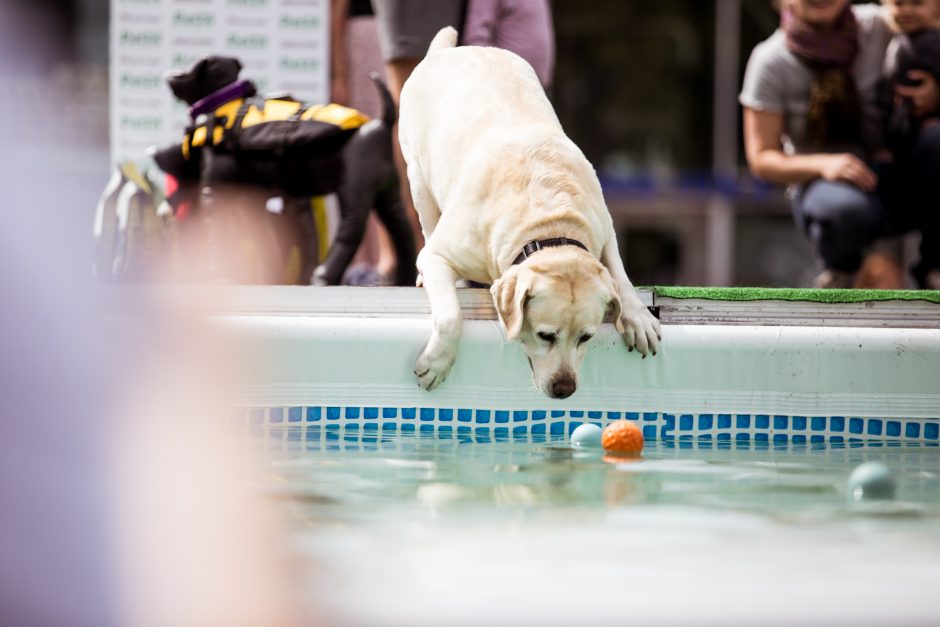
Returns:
<point x="504" y="197"/>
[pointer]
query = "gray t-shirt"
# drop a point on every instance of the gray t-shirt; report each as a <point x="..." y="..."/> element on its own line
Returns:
<point x="777" y="81"/>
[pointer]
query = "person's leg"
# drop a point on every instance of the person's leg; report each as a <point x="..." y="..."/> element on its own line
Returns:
<point x="924" y="167"/>
<point x="840" y="221"/>
<point x="406" y="28"/>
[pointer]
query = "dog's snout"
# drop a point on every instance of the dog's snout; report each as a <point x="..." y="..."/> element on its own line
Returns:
<point x="563" y="387"/>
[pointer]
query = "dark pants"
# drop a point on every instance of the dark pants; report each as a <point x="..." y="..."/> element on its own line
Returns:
<point x="841" y="220"/>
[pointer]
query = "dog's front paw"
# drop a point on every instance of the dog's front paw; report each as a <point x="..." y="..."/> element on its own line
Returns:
<point x="641" y="330"/>
<point x="435" y="363"/>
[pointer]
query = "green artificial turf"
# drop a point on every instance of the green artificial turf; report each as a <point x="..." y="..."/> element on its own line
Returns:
<point x="796" y="294"/>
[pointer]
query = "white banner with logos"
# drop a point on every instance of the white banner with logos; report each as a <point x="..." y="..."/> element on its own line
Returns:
<point x="282" y="44"/>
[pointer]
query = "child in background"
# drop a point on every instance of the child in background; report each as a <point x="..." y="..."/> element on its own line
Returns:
<point x="914" y="50"/>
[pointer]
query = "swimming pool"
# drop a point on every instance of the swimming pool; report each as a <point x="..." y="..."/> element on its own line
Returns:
<point x="448" y="529"/>
<point x="467" y="506"/>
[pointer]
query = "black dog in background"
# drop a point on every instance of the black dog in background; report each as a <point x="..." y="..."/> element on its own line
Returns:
<point x="242" y="147"/>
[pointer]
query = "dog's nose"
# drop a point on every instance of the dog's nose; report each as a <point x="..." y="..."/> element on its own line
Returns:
<point x="563" y="388"/>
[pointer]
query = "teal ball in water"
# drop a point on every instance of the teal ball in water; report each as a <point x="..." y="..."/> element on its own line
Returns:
<point x="586" y="435"/>
<point x="871" y="480"/>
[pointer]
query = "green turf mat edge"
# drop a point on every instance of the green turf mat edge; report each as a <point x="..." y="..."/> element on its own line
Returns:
<point x="794" y="294"/>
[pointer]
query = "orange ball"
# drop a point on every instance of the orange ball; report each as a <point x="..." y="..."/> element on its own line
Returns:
<point x="622" y="436"/>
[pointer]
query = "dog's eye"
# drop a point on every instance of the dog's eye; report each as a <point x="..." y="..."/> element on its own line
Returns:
<point x="548" y="337"/>
<point x="584" y="338"/>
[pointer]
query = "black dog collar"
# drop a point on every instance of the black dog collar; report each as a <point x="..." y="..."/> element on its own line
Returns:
<point x="538" y="245"/>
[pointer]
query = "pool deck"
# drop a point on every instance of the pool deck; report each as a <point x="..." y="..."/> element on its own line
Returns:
<point x="477" y="304"/>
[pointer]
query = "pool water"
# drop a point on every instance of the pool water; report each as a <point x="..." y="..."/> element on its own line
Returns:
<point x="410" y="529"/>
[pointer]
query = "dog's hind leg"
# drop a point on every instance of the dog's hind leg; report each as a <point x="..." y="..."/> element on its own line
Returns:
<point x="391" y="212"/>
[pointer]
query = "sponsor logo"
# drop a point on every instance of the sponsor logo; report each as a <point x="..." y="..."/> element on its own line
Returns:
<point x="196" y="20"/>
<point x="298" y="64"/>
<point x="140" y="81"/>
<point x="299" y="22"/>
<point x="125" y="17"/>
<point x="183" y="60"/>
<point x="140" y="38"/>
<point x="133" y="60"/>
<point x="141" y="122"/>
<point x="300" y="44"/>
<point x="194" y="42"/>
<point x="241" y="21"/>
<point x="246" y="42"/>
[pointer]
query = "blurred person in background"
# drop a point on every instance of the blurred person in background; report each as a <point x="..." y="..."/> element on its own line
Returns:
<point x="123" y="499"/>
<point x="521" y="26"/>
<point x="913" y="51"/>
<point x="354" y="55"/>
<point x="406" y="28"/>
<point x="811" y="121"/>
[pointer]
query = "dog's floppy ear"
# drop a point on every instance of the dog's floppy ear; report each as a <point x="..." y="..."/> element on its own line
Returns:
<point x="614" y="306"/>
<point x="510" y="294"/>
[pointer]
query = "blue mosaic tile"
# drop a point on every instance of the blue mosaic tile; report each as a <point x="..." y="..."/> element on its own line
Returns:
<point x="931" y="431"/>
<point x="595" y="415"/>
<point x="557" y="413"/>
<point x="426" y="414"/>
<point x="445" y="415"/>
<point x="761" y="437"/>
<point x="742" y="436"/>
<point x="817" y="423"/>
<point x="482" y="432"/>
<point x="538" y="414"/>
<point x="724" y="436"/>
<point x="632" y="415"/>
<point x="557" y="428"/>
<point x="445" y="431"/>
<point x="649" y="432"/>
<point x="276" y="414"/>
<point x="463" y="429"/>
<point x="762" y="421"/>
<point x="389" y="426"/>
<point x="685" y="422"/>
<point x="407" y="427"/>
<point x="370" y="413"/>
<point x="501" y="416"/>
<point x="332" y="413"/>
<point x="389" y="412"/>
<point x="352" y="426"/>
<point x="780" y="437"/>
<point x="893" y="428"/>
<point x="743" y="421"/>
<point x="538" y="429"/>
<point x="836" y="439"/>
<point x="614" y="415"/>
<point x="798" y="423"/>
<point x="799" y="438"/>
<point x="912" y="430"/>
<point x="781" y="423"/>
<point x="409" y="413"/>
<point x="816" y="439"/>
<point x="295" y="414"/>
<point x="426" y="428"/>
<point x="856" y="425"/>
<point x="371" y="426"/>
<point x="464" y="415"/>
<point x="874" y="426"/>
<point x="520" y="431"/>
<point x="724" y="421"/>
<point x="650" y="416"/>
<point x="483" y="416"/>
<point x="837" y="424"/>
<point x="520" y="416"/>
<point x="705" y="422"/>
